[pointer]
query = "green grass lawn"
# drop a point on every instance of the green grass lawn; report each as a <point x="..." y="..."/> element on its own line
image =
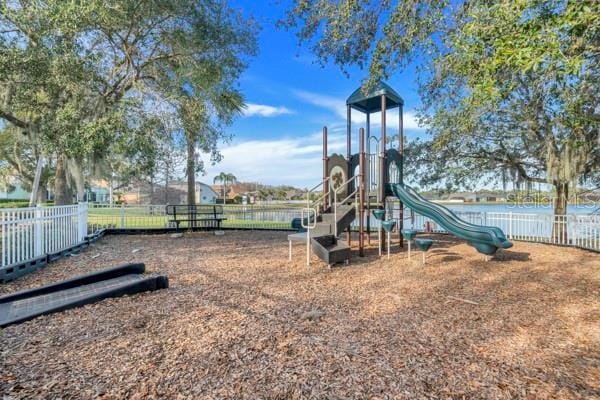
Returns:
<point x="111" y="218"/>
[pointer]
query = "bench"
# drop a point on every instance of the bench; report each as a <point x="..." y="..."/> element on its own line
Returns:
<point x="196" y="215"/>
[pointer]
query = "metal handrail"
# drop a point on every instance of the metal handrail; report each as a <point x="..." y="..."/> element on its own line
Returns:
<point x="319" y="199"/>
<point x="335" y="202"/>
<point x="308" y="226"/>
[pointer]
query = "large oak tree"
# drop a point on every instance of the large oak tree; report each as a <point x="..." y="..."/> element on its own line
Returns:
<point x="508" y="86"/>
<point x="75" y="75"/>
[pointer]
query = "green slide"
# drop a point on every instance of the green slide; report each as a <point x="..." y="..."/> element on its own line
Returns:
<point x="486" y="239"/>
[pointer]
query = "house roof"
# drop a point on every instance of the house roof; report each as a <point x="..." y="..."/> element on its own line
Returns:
<point x="371" y="101"/>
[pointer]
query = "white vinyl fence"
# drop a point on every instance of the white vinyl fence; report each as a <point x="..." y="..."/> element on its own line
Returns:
<point x="31" y="232"/>
<point x="27" y="233"/>
<point x="580" y="230"/>
<point x="252" y="216"/>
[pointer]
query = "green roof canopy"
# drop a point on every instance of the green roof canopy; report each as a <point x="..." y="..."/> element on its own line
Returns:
<point x="371" y="102"/>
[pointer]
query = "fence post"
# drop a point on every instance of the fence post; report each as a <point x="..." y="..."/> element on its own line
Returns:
<point x="572" y="236"/>
<point x="38" y="231"/>
<point x="122" y="215"/>
<point x="4" y="249"/>
<point x="510" y="225"/>
<point x="485" y="218"/>
<point x="82" y="213"/>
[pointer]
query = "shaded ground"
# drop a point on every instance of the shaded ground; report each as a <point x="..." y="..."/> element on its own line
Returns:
<point x="236" y="323"/>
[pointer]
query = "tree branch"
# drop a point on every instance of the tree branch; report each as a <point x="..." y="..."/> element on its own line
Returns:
<point x="21" y="29"/>
<point x="13" y="120"/>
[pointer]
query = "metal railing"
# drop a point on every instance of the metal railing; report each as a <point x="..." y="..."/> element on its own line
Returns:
<point x="28" y="233"/>
<point x="252" y="216"/>
<point x="315" y="203"/>
<point x="308" y="222"/>
<point x="348" y="197"/>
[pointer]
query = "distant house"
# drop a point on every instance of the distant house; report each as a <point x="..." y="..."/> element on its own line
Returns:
<point x="462" y="197"/>
<point x="489" y="196"/>
<point x="238" y="191"/>
<point x="485" y="198"/>
<point x="295" y="194"/>
<point x="175" y="193"/>
<point x="430" y="196"/>
<point x="205" y="193"/>
<point x="99" y="191"/>
<point x="234" y="190"/>
<point x="470" y="197"/>
<point x="12" y="190"/>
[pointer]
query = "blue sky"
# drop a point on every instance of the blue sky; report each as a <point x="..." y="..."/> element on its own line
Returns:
<point x="290" y="98"/>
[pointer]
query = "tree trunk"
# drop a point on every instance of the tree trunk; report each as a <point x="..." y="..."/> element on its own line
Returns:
<point x="62" y="193"/>
<point x="151" y="201"/>
<point x="78" y="177"/>
<point x="191" y="172"/>
<point x="42" y="192"/>
<point x="559" y="229"/>
<point x="166" y="194"/>
<point x="35" y="187"/>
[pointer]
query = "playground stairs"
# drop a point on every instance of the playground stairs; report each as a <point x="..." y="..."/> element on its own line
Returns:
<point x="324" y="242"/>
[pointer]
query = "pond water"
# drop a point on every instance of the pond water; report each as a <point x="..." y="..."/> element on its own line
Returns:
<point x="520" y="208"/>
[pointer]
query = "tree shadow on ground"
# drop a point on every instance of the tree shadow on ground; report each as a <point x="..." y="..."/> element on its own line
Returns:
<point x="511" y="255"/>
<point x="393" y="324"/>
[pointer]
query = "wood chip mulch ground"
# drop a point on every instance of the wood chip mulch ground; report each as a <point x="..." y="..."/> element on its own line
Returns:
<point x="240" y="321"/>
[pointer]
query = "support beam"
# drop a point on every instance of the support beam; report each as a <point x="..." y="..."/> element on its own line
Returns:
<point x="368" y="150"/>
<point x="382" y="174"/>
<point x="348" y="156"/>
<point x="361" y="193"/>
<point x="368" y="177"/>
<point x="348" y="134"/>
<point x="325" y="175"/>
<point x="401" y="151"/>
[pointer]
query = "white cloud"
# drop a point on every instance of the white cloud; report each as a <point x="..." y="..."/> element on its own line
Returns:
<point x="291" y="161"/>
<point x="264" y="110"/>
<point x="411" y="121"/>
<point x="338" y="106"/>
<point x="295" y="160"/>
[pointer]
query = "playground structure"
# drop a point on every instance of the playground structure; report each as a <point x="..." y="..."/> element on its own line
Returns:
<point x="356" y="185"/>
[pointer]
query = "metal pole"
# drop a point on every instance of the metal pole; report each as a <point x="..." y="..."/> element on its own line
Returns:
<point x="388" y="244"/>
<point x="308" y="241"/>
<point x="368" y="177"/>
<point x="382" y="171"/>
<point x="361" y="192"/>
<point x="379" y="239"/>
<point x="382" y="174"/>
<point x="401" y="151"/>
<point x="335" y="213"/>
<point x="122" y="215"/>
<point x="325" y="182"/>
<point x="348" y="155"/>
<point x="348" y="133"/>
<point x="308" y="244"/>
